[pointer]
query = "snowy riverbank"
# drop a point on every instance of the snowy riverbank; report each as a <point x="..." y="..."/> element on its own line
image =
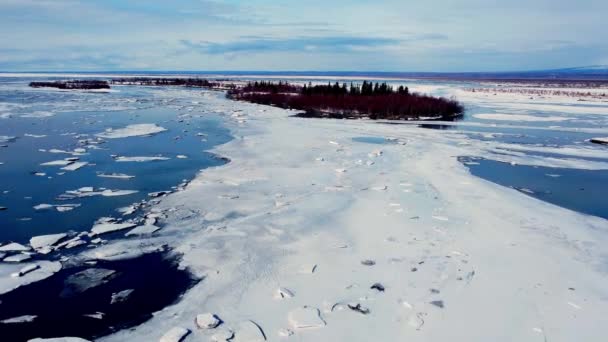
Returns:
<point x="294" y="233"/>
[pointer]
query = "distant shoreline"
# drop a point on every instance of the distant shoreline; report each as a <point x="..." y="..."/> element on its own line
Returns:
<point x="575" y="74"/>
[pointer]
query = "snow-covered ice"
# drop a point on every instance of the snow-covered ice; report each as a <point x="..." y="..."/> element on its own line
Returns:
<point x="460" y="260"/>
<point x="41" y="241"/>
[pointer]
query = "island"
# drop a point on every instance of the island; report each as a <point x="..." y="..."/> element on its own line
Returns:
<point x="72" y="84"/>
<point x="367" y="100"/>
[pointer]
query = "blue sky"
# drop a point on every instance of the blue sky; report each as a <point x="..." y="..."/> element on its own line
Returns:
<point x="340" y="35"/>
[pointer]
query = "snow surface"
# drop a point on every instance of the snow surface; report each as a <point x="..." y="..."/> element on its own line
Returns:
<point x="459" y="258"/>
<point x="136" y="130"/>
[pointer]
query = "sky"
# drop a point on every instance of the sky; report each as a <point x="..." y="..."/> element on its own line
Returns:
<point x="306" y="35"/>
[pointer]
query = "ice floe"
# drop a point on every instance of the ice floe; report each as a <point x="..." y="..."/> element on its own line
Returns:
<point x="87" y="279"/>
<point x="20" y="319"/>
<point x="115" y="175"/>
<point x="103" y="228"/>
<point x="14" y="247"/>
<point x="121" y="296"/>
<point x="13" y="276"/>
<point x="20" y="257"/>
<point x="135" y="130"/>
<point x="139" y="159"/>
<point x="42" y="241"/>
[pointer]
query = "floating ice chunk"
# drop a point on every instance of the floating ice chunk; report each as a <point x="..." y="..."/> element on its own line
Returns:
<point x="103" y="228"/>
<point x="21" y="257"/>
<point x="66" y="207"/>
<point x="40" y="241"/>
<point x="43" y="206"/>
<point x="181" y="156"/>
<point x="80" y="282"/>
<point x="75" y="166"/>
<point x="140" y="159"/>
<point x="176" y="334"/>
<point x="305" y="317"/>
<point x="97" y="315"/>
<point x="283" y="293"/>
<point x="34" y="135"/>
<point x="59" y="339"/>
<point x="25" y="275"/>
<point x="207" y="321"/>
<point x="248" y="331"/>
<point x="115" y="175"/>
<point x="143" y="230"/>
<point x="380" y="188"/>
<point x="38" y="114"/>
<point x="61" y="162"/>
<point x="6" y="139"/>
<point x="20" y="319"/>
<point x="136" y="130"/>
<point x="121" y="296"/>
<point x="14" y="247"/>
<point x="112" y="193"/>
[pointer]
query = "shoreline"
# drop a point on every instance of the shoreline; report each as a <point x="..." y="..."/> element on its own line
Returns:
<point x="279" y="217"/>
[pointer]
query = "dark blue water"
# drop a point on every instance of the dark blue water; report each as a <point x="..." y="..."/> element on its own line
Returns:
<point x="154" y="279"/>
<point x="21" y="190"/>
<point x="579" y="190"/>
